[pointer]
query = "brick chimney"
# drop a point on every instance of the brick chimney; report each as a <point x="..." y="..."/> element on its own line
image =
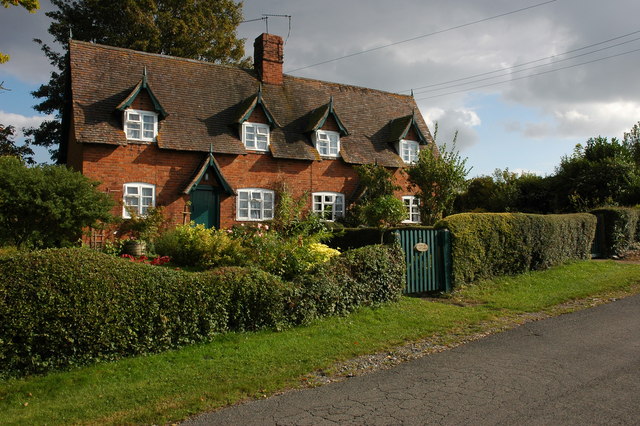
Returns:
<point x="268" y="57"/>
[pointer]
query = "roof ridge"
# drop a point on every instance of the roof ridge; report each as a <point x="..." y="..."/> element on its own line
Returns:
<point x="197" y="61"/>
<point x="160" y="55"/>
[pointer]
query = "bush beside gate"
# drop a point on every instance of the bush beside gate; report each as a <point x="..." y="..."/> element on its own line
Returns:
<point x="485" y="245"/>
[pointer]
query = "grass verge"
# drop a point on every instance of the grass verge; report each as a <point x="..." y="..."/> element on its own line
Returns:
<point x="173" y="385"/>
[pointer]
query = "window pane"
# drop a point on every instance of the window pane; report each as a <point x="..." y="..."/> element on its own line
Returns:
<point x="147" y="192"/>
<point x="132" y="190"/>
<point x="134" y="117"/>
<point x="131" y="201"/>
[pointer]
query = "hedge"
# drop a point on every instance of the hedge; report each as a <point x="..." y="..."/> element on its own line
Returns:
<point x="485" y="245"/>
<point x="620" y="229"/>
<point x="68" y="307"/>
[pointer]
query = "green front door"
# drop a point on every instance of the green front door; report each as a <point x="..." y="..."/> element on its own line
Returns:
<point x="205" y="206"/>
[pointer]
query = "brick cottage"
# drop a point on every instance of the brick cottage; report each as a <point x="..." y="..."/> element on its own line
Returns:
<point x="211" y="143"/>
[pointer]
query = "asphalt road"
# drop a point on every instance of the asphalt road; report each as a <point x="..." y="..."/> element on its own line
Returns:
<point x="581" y="368"/>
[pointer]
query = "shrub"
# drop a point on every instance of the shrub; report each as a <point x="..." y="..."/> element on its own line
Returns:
<point x="361" y="277"/>
<point x="254" y="299"/>
<point x="47" y="206"/>
<point x="67" y="307"/>
<point x="491" y="244"/>
<point x="621" y="230"/>
<point x="195" y="245"/>
<point x="64" y="307"/>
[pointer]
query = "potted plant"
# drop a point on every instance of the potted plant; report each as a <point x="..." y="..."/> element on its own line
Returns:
<point x="141" y="230"/>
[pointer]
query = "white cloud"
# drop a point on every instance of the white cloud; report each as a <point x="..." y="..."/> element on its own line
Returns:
<point x="610" y="119"/>
<point x="19" y="121"/>
<point x="451" y="121"/>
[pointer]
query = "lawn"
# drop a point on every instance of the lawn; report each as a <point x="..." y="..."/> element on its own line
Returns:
<point x="173" y="385"/>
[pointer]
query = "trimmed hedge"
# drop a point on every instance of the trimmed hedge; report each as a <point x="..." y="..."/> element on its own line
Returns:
<point x="67" y="307"/>
<point x="485" y="245"/>
<point x="620" y="229"/>
<point x="366" y="276"/>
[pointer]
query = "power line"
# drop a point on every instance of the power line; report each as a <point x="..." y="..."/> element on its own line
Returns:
<point x="529" y="76"/>
<point x="423" y="36"/>
<point x="526" y="63"/>
<point x="527" y="69"/>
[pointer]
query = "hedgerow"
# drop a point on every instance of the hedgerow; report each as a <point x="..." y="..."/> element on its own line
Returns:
<point x="68" y="307"/>
<point x="485" y="245"/>
<point x="621" y="230"/>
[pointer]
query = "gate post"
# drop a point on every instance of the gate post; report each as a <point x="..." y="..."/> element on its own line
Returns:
<point x="446" y="261"/>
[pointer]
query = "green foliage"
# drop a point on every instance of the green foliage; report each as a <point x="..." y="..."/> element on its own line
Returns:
<point x="376" y="181"/>
<point x="366" y="276"/>
<point x="384" y="212"/>
<point x="47" y="206"/>
<point x="9" y="147"/>
<point x="377" y="206"/>
<point x="67" y="307"/>
<point x="145" y="228"/>
<point x="486" y="245"/>
<point x="600" y="173"/>
<point x="202" y="30"/>
<point x="292" y="219"/>
<point x="195" y="245"/>
<point x="621" y="230"/>
<point x="439" y="178"/>
<point x="505" y="191"/>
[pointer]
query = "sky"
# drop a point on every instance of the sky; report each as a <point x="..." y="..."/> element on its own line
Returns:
<point x="521" y="81"/>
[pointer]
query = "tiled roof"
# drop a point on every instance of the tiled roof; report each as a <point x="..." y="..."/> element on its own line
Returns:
<point x="203" y="102"/>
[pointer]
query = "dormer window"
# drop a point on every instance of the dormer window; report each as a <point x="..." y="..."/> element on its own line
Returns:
<point x="255" y="136"/>
<point x="409" y="151"/>
<point x="327" y="143"/>
<point x="140" y="125"/>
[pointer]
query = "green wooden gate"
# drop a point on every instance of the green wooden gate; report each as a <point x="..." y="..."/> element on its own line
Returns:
<point x="428" y="259"/>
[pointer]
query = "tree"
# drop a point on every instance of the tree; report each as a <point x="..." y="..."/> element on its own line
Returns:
<point x="600" y="173"/>
<point x="196" y="29"/>
<point x="47" y="206"/>
<point x="30" y="5"/>
<point x="439" y="178"/>
<point x="384" y="212"/>
<point x="376" y="205"/>
<point x="9" y="147"/>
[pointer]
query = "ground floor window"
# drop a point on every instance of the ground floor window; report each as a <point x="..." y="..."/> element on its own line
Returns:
<point x="412" y="204"/>
<point x="138" y="199"/>
<point x="328" y="205"/>
<point x="255" y="204"/>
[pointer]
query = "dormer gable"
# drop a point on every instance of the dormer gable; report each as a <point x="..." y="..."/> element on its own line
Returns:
<point x="407" y="138"/>
<point x="141" y="87"/>
<point x="248" y="107"/>
<point x="403" y="127"/>
<point x="318" y="118"/>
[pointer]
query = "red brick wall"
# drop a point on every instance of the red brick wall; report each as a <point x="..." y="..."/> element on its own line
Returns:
<point x="171" y="172"/>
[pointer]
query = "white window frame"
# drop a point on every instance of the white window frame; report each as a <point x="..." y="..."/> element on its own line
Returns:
<point x="135" y="195"/>
<point x="145" y="133"/>
<point x="252" y="133"/>
<point x="327" y="143"/>
<point x="263" y="205"/>
<point x="409" y="150"/>
<point x="322" y="204"/>
<point x="412" y="204"/>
